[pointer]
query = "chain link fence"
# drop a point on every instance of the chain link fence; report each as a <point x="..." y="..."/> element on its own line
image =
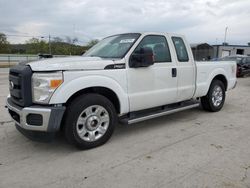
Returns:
<point x="8" y="60"/>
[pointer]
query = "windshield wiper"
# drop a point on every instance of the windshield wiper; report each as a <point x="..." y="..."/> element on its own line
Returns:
<point x="94" y="56"/>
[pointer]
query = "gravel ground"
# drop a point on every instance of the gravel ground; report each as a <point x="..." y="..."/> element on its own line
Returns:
<point x="187" y="149"/>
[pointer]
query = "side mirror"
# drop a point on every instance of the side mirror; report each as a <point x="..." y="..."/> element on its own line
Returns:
<point x="142" y="58"/>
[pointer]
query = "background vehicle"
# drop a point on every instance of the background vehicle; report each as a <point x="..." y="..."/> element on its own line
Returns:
<point x="243" y="64"/>
<point x="127" y="77"/>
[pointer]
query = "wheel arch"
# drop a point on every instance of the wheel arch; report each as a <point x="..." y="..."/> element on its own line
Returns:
<point x="218" y="74"/>
<point x="103" y="85"/>
<point x="222" y="78"/>
<point x="104" y="91"/>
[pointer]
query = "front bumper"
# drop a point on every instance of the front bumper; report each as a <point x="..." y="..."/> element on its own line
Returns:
<point x="36" y="118"/>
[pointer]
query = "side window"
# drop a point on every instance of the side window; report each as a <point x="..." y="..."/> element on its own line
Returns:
<point x="180" y="49"/>
<point x="159" y="46"/>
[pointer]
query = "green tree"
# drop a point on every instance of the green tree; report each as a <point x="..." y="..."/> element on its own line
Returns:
<point x="92" y="43"/>
<point x="35" y="46"/>
<point x="4" y="44"/>
<point x="58" y="46"/>
<point x="57" y="39"/>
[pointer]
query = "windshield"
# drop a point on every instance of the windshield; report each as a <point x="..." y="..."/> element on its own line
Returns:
<point x="113" y="47"/>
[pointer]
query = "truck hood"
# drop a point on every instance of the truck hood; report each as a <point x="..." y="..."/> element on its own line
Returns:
<point x="70" y="63"/>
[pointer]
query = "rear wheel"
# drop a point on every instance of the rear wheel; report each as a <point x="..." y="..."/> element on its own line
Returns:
<point x="90" y="121"/>
<point x="215" y="98"/>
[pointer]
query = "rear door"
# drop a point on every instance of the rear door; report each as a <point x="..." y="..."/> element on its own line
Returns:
<point x="185" y="69"/>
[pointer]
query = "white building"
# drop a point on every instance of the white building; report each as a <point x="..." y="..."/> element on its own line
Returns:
<point x="226" y="50"/>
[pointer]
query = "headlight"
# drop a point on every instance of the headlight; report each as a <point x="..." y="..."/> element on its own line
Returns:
<point x="44" y="85"/>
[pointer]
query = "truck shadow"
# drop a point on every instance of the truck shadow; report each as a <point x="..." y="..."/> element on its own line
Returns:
<point x="148" y="125"/>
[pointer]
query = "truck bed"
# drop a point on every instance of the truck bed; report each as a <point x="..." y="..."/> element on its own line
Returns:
<point x="207" y="70"/>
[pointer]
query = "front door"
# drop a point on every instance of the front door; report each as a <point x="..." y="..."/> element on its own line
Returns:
<point x="155" y="85"/>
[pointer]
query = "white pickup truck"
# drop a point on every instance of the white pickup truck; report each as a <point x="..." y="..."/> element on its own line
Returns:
<point x="126" y="77"/>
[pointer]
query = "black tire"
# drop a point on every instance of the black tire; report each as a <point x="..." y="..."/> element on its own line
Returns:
<point x="207" y="101"/>
<point x="74" y="110"/>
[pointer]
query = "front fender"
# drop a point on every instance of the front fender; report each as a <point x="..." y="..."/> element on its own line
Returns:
<point x="69" y="88"/>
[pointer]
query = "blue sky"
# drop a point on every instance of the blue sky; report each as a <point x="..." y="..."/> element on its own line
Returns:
<point x="199" y="20"/>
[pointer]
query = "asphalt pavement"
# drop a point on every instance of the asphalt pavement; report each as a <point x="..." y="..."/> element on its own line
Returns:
<point x="192" y="149"/>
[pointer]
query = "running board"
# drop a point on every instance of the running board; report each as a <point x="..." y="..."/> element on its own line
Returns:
<point x="158" y="113"/>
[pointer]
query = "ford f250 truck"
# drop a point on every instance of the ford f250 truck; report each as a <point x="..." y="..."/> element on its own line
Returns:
<point x="126" y="77"/>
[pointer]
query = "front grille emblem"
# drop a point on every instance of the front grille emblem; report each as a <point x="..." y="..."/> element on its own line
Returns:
<point x="11" y="85"/>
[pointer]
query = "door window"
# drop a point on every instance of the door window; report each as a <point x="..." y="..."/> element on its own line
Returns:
<point x="159" y="46"/>
<point x="180" y="49"/>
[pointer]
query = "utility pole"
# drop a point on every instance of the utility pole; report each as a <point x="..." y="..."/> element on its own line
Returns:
<point x="225" y="36"/>
<point x="49" y="46"/>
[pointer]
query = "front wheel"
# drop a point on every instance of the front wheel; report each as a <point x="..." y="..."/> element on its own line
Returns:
<point x="90" y="121"/>
<point x="215" y="98"/>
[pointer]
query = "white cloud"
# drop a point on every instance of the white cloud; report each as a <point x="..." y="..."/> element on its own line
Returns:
<point x="199" y="20"/>
<point x="31" y="28"/>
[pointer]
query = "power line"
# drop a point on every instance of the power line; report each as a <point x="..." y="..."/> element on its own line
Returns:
<point x="29" y="36"/>
<point x="48" y="37"/>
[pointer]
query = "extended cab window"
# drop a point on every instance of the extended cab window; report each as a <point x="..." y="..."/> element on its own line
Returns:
<point x="180" y="49"/>
<point x="159" y="46"/>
